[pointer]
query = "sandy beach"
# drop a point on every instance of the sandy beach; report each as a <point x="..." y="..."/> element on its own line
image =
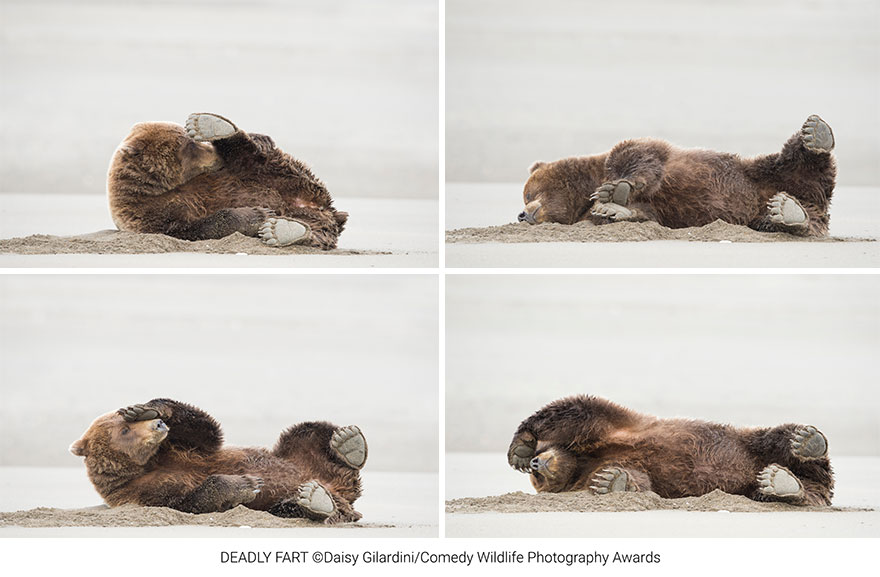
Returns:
<point x="73" y="347"/>
<point x="526" y="85"/>
<point x="349" y="89"/>
<point x="482" y="232"/>
<point x="60" y="501"/>
<point x="733" y="349"/>
<point x="76" y="231"/>
<point x="489" y="511"/>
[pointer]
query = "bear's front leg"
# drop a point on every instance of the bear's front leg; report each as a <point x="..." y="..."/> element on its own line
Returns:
<point x="238" y="150"/>
<point x="634" y="170"/>
<point x="246" y="220"/>
<point x="189" y="427"/>
<point x="522" y="451"/>
<point x="220" y="493"/>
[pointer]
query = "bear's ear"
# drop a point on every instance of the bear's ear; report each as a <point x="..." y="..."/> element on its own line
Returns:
<point x="536" y="166"/>
<point x="79" y="448"/>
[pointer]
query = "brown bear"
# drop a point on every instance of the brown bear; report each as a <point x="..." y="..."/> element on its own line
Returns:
<point x="211" y="179"/>
<point x="587" y="443"/>
<point x="649" y="179"/>
<point x="169" y="454"/>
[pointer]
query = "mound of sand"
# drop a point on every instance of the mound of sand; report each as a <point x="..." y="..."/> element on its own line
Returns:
<point x="134" y="516"/>
<point x="586" y="231"/>
<point x="118" y="242"/>
<point x="579" y="502"/>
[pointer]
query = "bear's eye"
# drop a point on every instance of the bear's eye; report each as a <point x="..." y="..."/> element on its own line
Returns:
<point x="125" y="431"/>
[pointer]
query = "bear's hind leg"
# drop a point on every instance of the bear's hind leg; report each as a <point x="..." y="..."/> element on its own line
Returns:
<point x="616" y="479"/>
<point x="314" y="501"/>
<point x="334" y="455"/>
<point x="785" y="213"/>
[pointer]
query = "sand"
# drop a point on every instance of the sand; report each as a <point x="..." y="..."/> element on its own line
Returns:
<point x="718" y="231"/>
<point x="43" y="501"/>
<point x="717" y="500"/>
<point x="120" y="242"/>
<point x="134" y="516"/>
<point x="480" y="233"/>
<point x="485" y="498"/>
<point x="44" y="230"/>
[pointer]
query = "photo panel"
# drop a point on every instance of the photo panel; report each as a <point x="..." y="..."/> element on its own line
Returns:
<point x="353" y="357"/>
<point x="780" y="364"/>
<point x="220" y="134"/>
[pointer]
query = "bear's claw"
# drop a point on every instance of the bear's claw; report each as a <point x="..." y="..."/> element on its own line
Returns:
<point x="522" y="451"/>
<point x="616" y="191"/>
<point x="783" y="209"/>
<point x="809" y="443"/>
<point x="205" y="127"/>
<point x="816" y="135"/>
<point x="609" y="480"/>
<point x="350" y="445"/>
<point x="612" y="211"/>
<point x="135" y="413"/>
<point x="776" y="481"/>
<point x="315" y="500"/>
<point x="254" y="483"/>
<point x="283" y="232"/>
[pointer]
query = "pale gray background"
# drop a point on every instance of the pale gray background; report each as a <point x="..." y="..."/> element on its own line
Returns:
<point x="350" y="87"/>
<point x="259" y="353"/>
<point x="746" y="350"/>
<point x="528" y="81"/>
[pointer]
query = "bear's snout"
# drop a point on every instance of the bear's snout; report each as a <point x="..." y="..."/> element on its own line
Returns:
<point x="526" y="217"/>
<point x="536" y="464"/>
<point x="160" y="425"/>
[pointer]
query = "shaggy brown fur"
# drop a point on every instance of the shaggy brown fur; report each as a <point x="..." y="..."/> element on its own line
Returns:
<point x="580" y="443"/>
<point x="163" y="181"/>
<point x="688" y="187"/>
<point x="169" y="454"/>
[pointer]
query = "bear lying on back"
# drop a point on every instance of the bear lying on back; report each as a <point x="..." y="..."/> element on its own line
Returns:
<point x="170" y="454"/>
<point x="587" y="443"/>
<point x="212" y="179"/>
<point x="648" y="179"/>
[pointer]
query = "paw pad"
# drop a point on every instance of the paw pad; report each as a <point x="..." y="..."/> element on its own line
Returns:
<point x="283" y="232"/>
<point x="609" y="480"/>
<point x="616" y="192"/>
<point x="784" y="209"/>
<point x="817" y="135"/>
<point x="315" y="500"/>
<point x="138" y="413"/>
<point x="776" y="481"/>
<point x="205" y="127"/>
<point x="350" y="445"/>
<point x="809" y="443"/>
<point x="521" y="452"/>
<point x="612" y="211"/>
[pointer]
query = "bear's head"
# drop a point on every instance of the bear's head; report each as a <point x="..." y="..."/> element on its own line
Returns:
<point x="553" y="469"/>
<point x="559" y="191"/>
<point x="112" y="445"/>
<point x="164" y="150"/>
